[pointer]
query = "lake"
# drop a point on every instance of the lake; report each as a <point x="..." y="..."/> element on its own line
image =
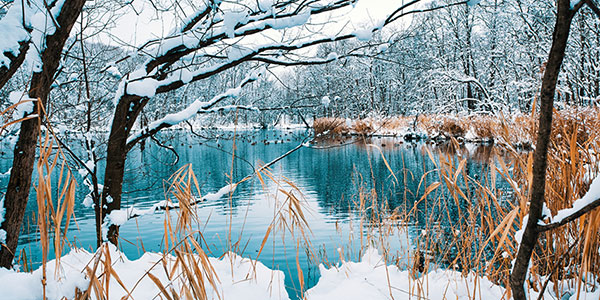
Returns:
<point x="330" y="175"/>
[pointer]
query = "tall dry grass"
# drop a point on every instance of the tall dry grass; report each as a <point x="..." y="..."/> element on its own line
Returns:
<point x="6" y="116"/>
<point x="470" y="222"/>
<point x="330" y="126"/>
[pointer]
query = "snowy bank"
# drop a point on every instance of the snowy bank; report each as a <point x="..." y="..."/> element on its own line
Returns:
<point x="241" y="278"/>
<point x="238" y="278"/>
<point x="373" y="279"/>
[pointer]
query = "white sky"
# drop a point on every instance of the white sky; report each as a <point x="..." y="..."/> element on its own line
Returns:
<point x="137" y="29"/>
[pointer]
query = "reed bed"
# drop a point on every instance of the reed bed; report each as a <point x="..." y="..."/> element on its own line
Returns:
<point x="518" y="130"/>
<point x="481" y="236"/>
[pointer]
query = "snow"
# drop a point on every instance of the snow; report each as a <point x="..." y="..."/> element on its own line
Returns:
<point x="119" y="92"/>
<point x="43" y="23"/>
<point x="243" y="278"/>
<point x="238" y="278"/>
<point x="278" y="23"/>
<point x="144" y="88"/>
<point x="222" y="192"/>
<point x="118" y="217"/>
<point x="114" y="72"/>
<point x="202" y="9"/>
<point x="383" y="47"/>
<point x="232" y="19"/>
<point x="373" y="279"/>
<point x="88" y="201"/>
<point x="592" y="195"/>
<point x="73" y="77"/>
<point x="265" y="5"/>
<point x="325" y="101"/>
<point x="364" y="35"/>
<point x="13" y="32"/>
<point x="24" y="104"/>
<point x="332" y="56"/>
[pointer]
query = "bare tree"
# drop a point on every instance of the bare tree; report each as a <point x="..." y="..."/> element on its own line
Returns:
<point x="62" y="16"/>
<point x="566" y="10"/>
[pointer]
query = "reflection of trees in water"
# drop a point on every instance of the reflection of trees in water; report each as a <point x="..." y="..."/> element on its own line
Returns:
<point x="345" y="171"/>
<point x="336" y="174"/>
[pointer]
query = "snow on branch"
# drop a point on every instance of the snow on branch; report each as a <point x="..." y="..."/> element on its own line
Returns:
<point x="589" y="202"/>
<point x="198" y="16"/>
<point x="15" y="27"/>
<point x="121" y="216"/>
<point x="155" y="75"/>
<point x="194" y="108"/>
<point x="237" y="24"/>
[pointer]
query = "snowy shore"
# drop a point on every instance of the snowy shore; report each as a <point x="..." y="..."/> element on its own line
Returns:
<point x="242" y="278"/>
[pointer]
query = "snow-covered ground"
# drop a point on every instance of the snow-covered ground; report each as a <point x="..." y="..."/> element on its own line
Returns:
<point x="238" y="278"/>
<point x="241" y="278"/>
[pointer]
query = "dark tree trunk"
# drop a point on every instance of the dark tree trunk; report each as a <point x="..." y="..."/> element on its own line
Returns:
<point x="530" y="235"/>
<point x="19" y="184"/>
<point x="117" y="150"/>
<point x="17" y="191"/>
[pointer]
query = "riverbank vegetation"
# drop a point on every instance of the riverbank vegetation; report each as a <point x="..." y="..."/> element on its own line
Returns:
<point x="518" y="130"/>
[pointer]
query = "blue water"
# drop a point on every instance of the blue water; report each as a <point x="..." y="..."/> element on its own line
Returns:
<point x="329" y="175"/>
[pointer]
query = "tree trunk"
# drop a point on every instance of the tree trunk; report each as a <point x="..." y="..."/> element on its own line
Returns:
<point x="19" y="184"/>
<point x="530" y="236"/>
<point x="117" y="150"/>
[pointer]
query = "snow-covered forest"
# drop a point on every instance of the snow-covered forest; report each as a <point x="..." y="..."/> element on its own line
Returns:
<point x="449" y="147"/>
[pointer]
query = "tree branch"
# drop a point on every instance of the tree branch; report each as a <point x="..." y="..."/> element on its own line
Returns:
<point x="592" y="5"/>
<point x="189" y="112"/>
<point x="571" y="217"/>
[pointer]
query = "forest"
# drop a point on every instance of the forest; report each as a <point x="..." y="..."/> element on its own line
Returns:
<point x="300" y="149"/>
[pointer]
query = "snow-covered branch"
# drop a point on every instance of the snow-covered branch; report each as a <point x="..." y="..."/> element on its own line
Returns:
<point x="589" y="202"/>
<point x="15" y="27"/>
<point x="288" y="62"/>
<point x="230" y="25"/>
<point x="189" y="112"/>
<point x="121" y="216"/>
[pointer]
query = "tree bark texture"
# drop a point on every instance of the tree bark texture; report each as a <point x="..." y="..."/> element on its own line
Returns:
<point x="126" y="112"/>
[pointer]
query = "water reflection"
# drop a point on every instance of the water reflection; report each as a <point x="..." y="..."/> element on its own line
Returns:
<point x="331" y="175"/>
